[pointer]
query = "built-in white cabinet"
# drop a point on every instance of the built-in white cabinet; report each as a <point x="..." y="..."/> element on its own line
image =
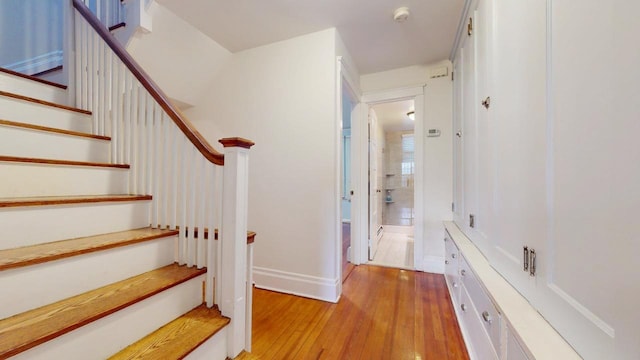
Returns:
<point x="546" y="181"/>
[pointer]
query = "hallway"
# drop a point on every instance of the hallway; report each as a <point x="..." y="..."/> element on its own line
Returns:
<point x="383" y="314"/>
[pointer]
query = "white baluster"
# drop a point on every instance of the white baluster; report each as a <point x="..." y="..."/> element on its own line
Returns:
<point x="175" y="153"/>
<point x="212" y="253"/>
<point x="183" y="201"/>
<point x="95" y="39"/>
<point x="126" y="126"/>
<point x="115" y="105"/>
<point x="85" y="63"/>
<point x="133" y="145"/>
<point x="158" y="161"/>
<point x="140" y="140"/>
<point x="78" y="53"/>
<point x="99" y="86"/>
<point x="191" y="203"/>
<point x="201" y="181"/>
<point x="149" y="187"/>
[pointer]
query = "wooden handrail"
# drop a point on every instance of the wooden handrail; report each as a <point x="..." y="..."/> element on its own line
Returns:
<point x="174" y="113"/>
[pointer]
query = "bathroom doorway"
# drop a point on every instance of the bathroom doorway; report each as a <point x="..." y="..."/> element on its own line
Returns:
<point x="392" y="179"/>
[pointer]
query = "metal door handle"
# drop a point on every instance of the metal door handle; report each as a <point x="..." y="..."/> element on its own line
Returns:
<point x="459" y="134"/>
<point x="486" y="317"/>
<point x="525" y="258"/>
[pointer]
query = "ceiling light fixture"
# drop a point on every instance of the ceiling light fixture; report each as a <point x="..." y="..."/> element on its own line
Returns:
<point x="412" y="115"/>
<point x="401" y="14"/>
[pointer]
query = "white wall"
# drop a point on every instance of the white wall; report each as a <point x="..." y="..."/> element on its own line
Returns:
<point x="283" y="97"/>
<point x="438" y="151"/>
<point x="180" y="59"/>
<point x="30" y="35"/>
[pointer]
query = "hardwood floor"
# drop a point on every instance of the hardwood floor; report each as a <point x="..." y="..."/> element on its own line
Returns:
<point x="383" y="313"/>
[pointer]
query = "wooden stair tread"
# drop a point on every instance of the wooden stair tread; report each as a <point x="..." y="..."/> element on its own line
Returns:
<point x="37" y="254"/>
<point x="52" y="130"/>
<point x="31" y="328"/>
<point x="44" y="102"/>
<point x="178" y="338"/>
<point x="63" y="200"/>
<point x="61" y="162"/>
<point x="33" y="78"/>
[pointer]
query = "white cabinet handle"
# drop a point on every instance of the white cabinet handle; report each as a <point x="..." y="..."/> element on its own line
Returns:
<point x="486" y="316"/>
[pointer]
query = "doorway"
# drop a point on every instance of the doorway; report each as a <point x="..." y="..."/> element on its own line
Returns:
<point x="392" y="179"/>
<point x="348" y="104"/>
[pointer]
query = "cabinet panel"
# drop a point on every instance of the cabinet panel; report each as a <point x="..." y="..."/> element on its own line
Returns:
<point x="451" y="269"/>
<point x="594" y="193"/>
<point x="458" y="175"/>
<point x="513" y="348"/>
<point x="518" y="110"/>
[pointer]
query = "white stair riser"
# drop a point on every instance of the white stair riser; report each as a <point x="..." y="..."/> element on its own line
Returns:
<point x="24" y="142"/>
<point x="37" y="285"/>
<point x="43" y="115"/>
<point x="106" y="336"/>
<point x="17" y="85"/>
<point x="30" y="179"/>
<point x="213" y="349"/>
<point x="23" y="226"/>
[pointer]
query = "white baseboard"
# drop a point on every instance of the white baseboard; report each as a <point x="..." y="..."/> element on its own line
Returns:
<point x="433" y="264"/>
<point x="37" y="64"/>
<point x="296" y="284"/>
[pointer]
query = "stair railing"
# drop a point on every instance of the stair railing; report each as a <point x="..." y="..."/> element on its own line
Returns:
<point x="110" y="12"/>
<point x="194" y="187"/>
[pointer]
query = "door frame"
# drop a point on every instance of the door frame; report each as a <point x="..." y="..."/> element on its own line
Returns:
<point x="360" y="148"/>
<point x="346" y="80"/>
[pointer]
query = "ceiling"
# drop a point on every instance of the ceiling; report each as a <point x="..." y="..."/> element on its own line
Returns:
<point x="393" y="116"/>
<point x="375" y="41"/>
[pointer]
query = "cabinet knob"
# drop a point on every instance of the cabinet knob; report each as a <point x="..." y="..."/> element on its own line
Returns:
<point x="453" y="256"/>
<point x="463" y="307"/>
<point x="455" y="284"/>
<point x="446" y="262"/>
<point x="459" y="134"/>
<point x="486" y="317"/>
<point x="486" y="102"/>
<point x="463" y="272"/>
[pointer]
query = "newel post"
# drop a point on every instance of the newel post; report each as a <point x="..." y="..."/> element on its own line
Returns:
<point x="233" y="237"/>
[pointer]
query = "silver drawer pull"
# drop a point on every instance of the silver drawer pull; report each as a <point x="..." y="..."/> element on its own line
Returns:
<point x="455" y="284"/>
<point x="463" y="307"/>
<point x="486" y="316"/>
<point x="453" y="256"/>
<point x="463" y="272"/>
<point x="446" y="262"/>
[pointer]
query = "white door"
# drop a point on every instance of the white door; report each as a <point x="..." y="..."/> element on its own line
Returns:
<point x="374" y="188"/>
<point x="458" y="159"/>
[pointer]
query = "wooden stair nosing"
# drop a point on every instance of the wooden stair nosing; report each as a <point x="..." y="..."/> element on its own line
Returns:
<point x="64" y="200"/>
<point x="44" y="102"/>
<point x="52" y="130"/>
<point x="61" y="162"/>
<point x="178" y="338"/>
<point x="33" y="78"/>
<point x="41" y="253"/>
<point x="34" y="327"/>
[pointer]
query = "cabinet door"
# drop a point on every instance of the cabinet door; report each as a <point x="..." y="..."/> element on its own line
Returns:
<point x="458" y="199"/>
<point x="587" y="277"/>
<point x="469" y="129"/>
<point x="518" y="110"/>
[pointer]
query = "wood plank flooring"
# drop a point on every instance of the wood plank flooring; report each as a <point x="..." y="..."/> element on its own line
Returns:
<point x="383" y="313"/>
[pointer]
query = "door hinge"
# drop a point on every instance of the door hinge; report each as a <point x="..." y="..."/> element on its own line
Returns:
<point x="470" y="27"/>
<point x="453" y="207"/>
<point x="452" y="75"/>
<point x="472" y="220"/>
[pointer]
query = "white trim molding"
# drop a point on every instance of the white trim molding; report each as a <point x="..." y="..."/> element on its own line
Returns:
<point x="433" y="264"/>
<point x="38" y="64"/>
<point x="393" y="94"/>
<point x="313" y="287"/>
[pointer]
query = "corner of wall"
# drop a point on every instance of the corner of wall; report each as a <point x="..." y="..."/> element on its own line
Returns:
<point x="313" y="287"/>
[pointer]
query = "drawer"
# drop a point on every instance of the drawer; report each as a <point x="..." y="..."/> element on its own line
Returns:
<point x="487" y="311"/>
<point x="451" y="266"/>
<point x="478" y="342"/>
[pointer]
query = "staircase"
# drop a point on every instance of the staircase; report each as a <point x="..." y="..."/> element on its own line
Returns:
<point x="100" y="254"/>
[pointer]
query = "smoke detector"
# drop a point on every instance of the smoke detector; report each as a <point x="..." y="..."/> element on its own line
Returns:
<point x="401" y="14"/>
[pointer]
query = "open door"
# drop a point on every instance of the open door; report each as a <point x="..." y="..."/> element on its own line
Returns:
<point x="375" y="223"/>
